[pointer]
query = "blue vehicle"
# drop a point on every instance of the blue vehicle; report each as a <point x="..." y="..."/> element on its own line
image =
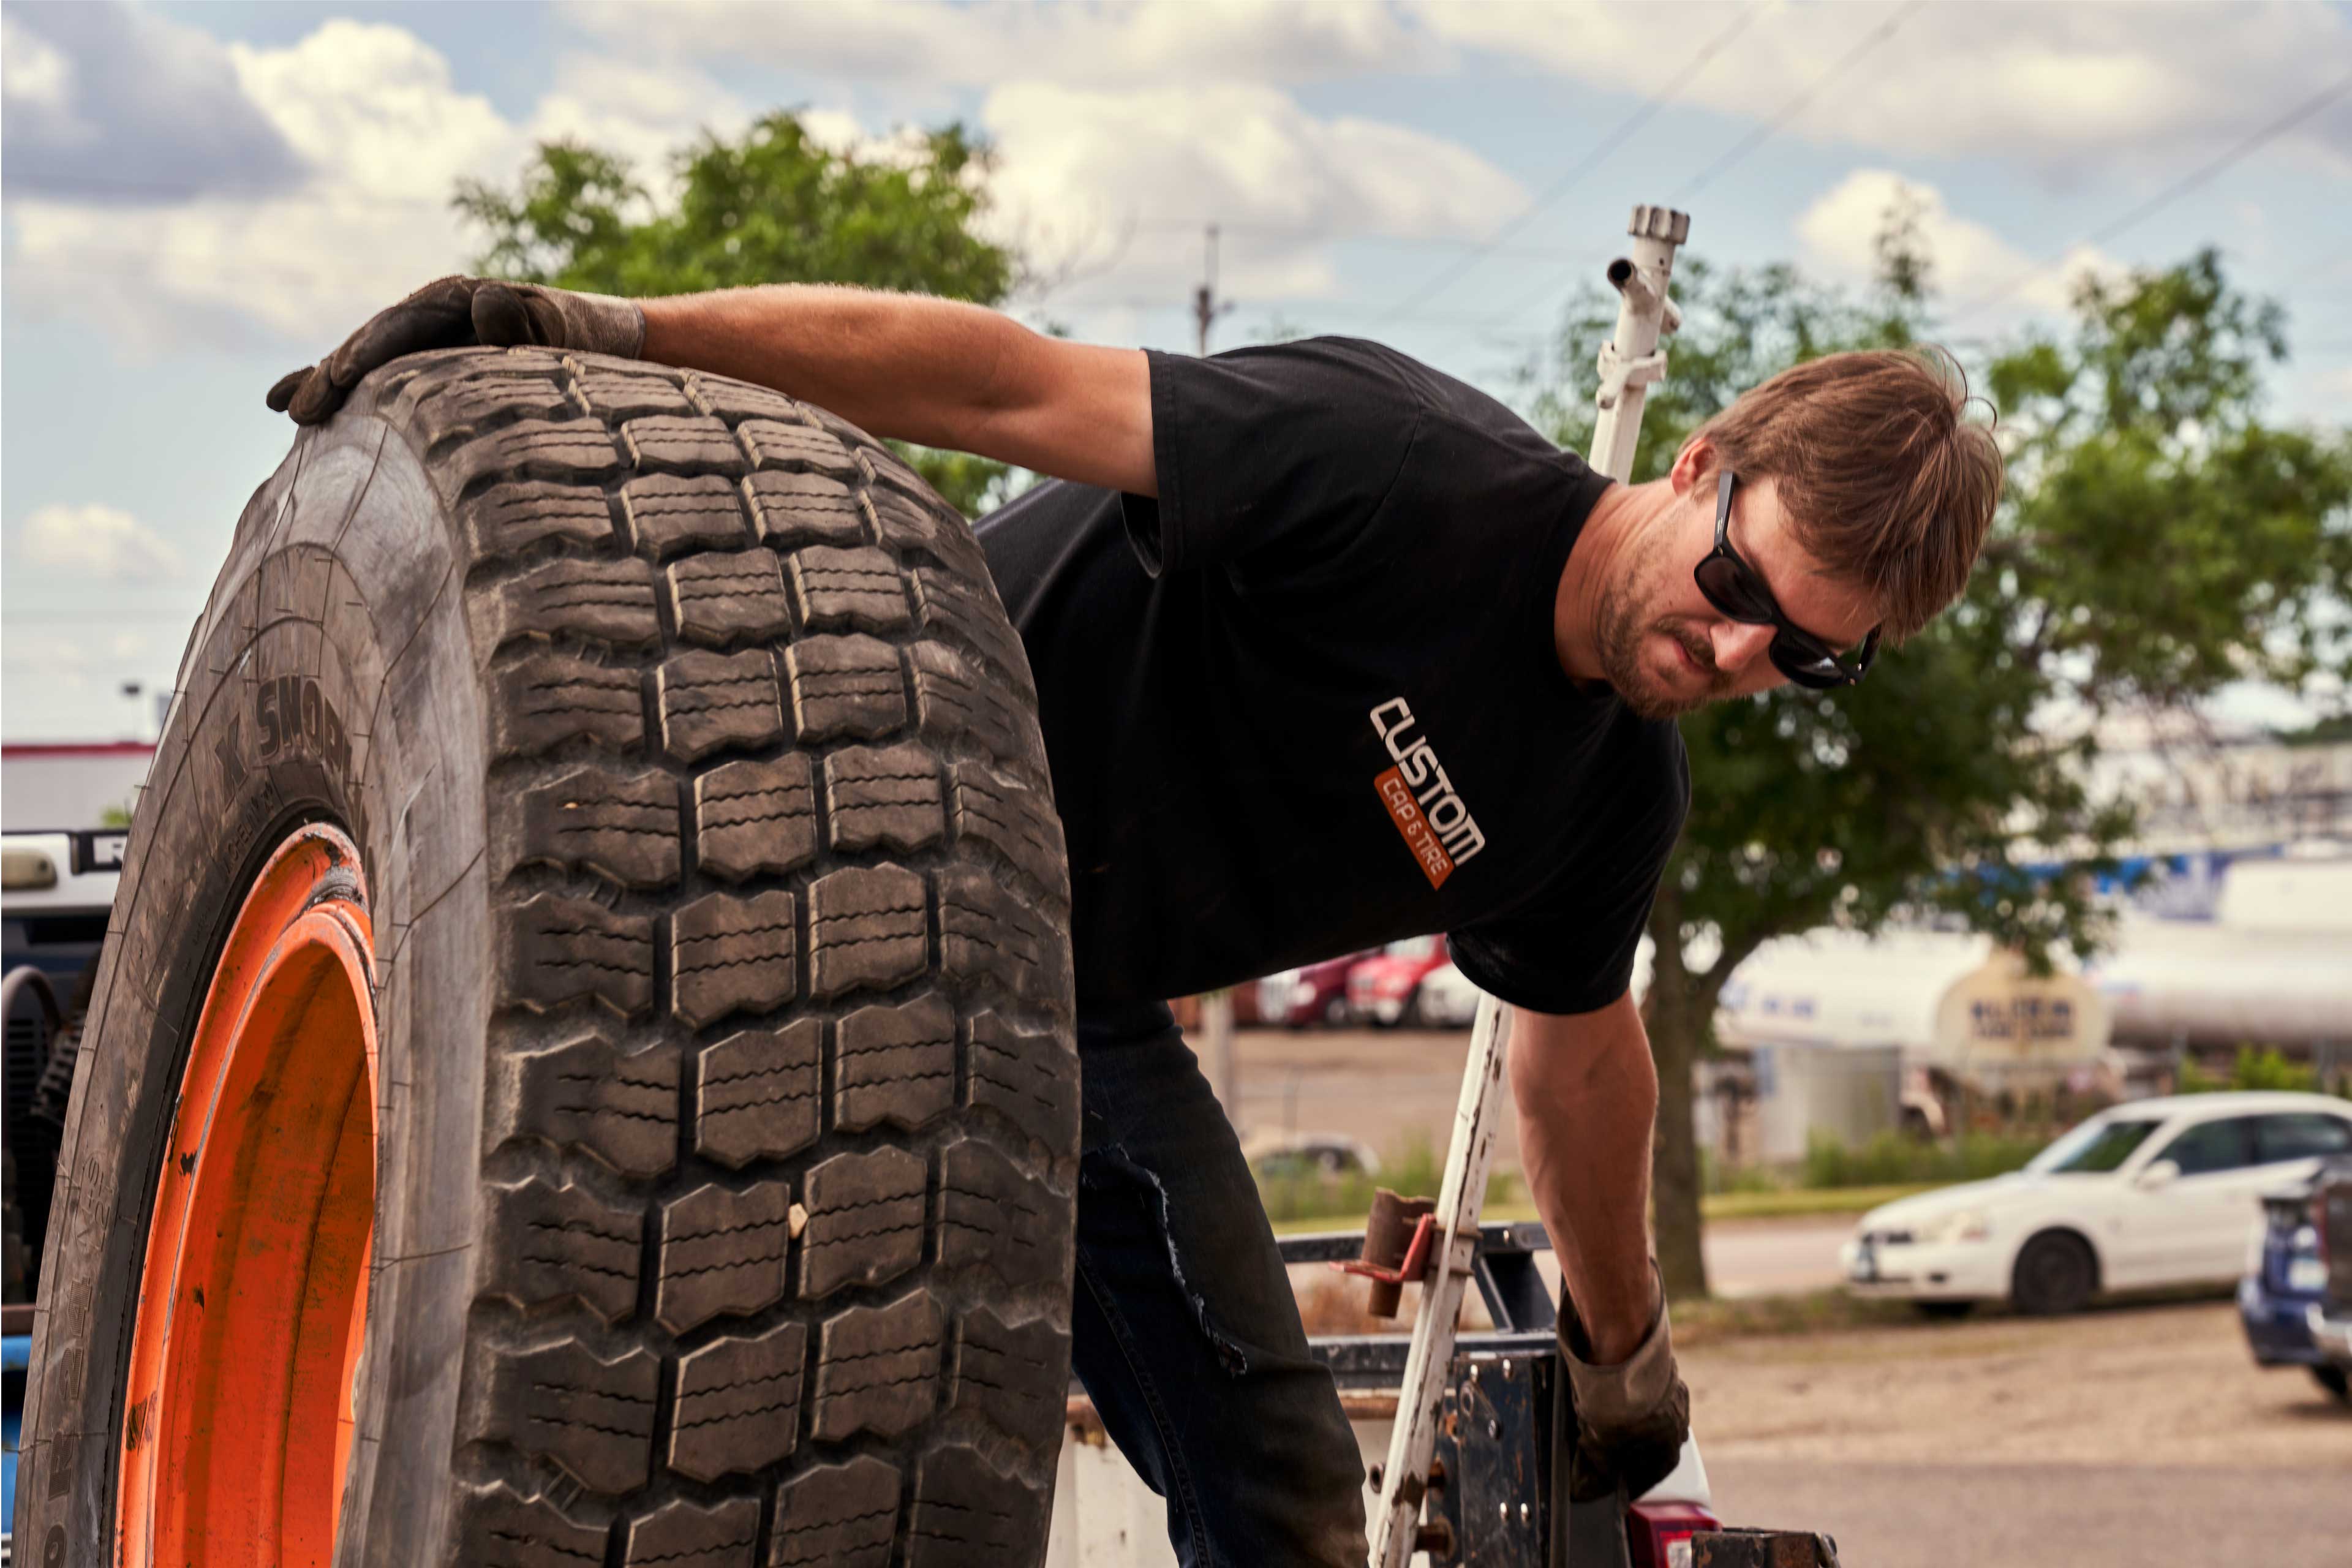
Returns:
<point x="2287" y="1279"/>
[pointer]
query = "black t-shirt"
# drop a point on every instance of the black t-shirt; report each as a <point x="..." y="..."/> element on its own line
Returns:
<point x="1308" y="702"/>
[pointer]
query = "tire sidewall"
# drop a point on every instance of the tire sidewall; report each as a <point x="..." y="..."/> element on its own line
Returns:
<point x="332" y="660"/>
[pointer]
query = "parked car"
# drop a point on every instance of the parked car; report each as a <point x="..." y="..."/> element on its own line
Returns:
<point x="1315" y="994"/>
<point x="1276" y="1155"/>
<point x="1382" y="988"/>
<point x="2286" y="1282"/>
<point x="2330" y="1317"/>
<point x="2152" y="1193"/>
<point x="1446" y="999"/>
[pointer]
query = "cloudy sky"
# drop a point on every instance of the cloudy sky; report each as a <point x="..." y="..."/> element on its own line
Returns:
<point x="198" y="197"/>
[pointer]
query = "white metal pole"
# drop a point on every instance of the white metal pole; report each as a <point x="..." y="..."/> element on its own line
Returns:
<point x="1629" y="361"/>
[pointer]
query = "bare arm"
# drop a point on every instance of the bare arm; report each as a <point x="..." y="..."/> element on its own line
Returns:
<point x="1588" y="1102"/>
<point x="929" y="371"/>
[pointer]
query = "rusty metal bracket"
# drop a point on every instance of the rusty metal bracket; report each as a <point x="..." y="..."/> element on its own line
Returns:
<point x="1762" y="1549"/>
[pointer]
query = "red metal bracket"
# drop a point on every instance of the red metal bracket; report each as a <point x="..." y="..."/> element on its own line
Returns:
<point x="1416" y="1257"/>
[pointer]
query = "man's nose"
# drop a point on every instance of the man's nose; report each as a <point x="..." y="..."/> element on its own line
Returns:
<point x="1738" y="645"/>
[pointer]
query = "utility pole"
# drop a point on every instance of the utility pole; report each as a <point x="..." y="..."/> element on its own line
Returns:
<point x="1206" y="306"/>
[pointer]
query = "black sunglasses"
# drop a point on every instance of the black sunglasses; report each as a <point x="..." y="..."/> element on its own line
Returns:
<point x="1739" y="589"/>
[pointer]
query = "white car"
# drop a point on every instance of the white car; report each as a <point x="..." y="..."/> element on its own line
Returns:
<point x="2152" y="1193"/>
<point x="1446" y="999"/>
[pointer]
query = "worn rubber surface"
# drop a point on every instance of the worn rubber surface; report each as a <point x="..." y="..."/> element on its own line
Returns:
<point x="729" y="1113"/>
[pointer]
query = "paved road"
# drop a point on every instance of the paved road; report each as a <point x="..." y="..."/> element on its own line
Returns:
<point x="1775" y="1256"/>
<point x="2049" y="1516"/>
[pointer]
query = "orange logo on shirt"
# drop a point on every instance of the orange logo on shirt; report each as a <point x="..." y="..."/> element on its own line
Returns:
<point x="1436" y="826"/>
<point x="1405" y="812"/>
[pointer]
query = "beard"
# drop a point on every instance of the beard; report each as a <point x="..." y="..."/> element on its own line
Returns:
<point x="1627" y="622"/>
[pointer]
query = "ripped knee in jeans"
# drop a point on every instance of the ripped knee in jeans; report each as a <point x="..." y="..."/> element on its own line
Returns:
<point x="1111" y="1167"/>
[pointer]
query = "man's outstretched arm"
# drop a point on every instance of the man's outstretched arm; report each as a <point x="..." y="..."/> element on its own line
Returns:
<point x="904" y="365"/>
<point x="931" y="371"/>
<point x="1588" y="1099"/>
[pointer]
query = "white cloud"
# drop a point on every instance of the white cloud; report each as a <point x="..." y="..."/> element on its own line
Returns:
<point x="98" y="543"/>
<point x="377" y="115"/>
<point x="1840" y="232"/>
<point x="994" y="40"/>
<point x="2051" y="85"/>
<point x="106" y="102"/>
<point x="1085" y="163"/>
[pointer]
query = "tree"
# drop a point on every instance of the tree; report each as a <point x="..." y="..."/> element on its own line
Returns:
<point x="2157" y="539"/>
<point x="773" y="206"/>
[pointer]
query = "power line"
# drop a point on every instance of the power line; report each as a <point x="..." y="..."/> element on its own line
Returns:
<point x="1763" y="134"/>
<point x="1590" y="161"/>
<point x="2167" y="196"/>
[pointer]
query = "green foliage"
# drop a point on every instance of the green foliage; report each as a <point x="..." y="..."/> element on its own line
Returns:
<point x="1891" y="1158"/>
<point x="1413" y="1169"/>
<point x="773" y="206"/>
<point x="114" y="816"/>
<point x="2256" y="1067"/>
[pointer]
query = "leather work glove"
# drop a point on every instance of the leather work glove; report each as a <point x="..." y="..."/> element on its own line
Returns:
<point x="456" y="313"/>
<point x="1630" y="1418"/>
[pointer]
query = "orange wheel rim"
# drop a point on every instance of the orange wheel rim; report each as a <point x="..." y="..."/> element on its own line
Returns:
<point x="253" y="1302"/>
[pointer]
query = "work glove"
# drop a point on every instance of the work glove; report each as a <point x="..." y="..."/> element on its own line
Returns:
<point x="1630" y="1418"/>
<point x="456" y="313"/>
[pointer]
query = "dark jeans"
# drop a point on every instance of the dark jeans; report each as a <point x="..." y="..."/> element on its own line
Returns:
<point x="1185" y="1332"/>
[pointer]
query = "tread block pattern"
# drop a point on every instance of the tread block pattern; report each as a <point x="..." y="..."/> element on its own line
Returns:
<point x="845" y="686"/>
<point x="894" y="1064"/>
<point x="462" y="405"/>
<point x="868" y="927"/>
<point x="603" y="601"/>
<point x="618" y="394"/>
<point x="970" y="1514"/>
<point x="865" y="1220"/>
<point x="507" y="520"/>
<point x="738" y="596"/>
<point x="1013" y="1072"/>
<point x="714" y="700"/>
<point x="731" y="954"/>
<point x="971" y="614"/>
<point x="1009" y="1373"/>
<point x="751" y="817"/>
<point x="499" y="1528"/>
<point x="594" y="1418"/>
<point x="680" y="1535"/>
<point x="755" y="1094"/>
<point x="585" y="1094"/>
<point x="548" y="699"/>
<point x="739" y="400"/>
<point x="560" y="949"/>
<point x="877" y="1368"/>
<point x="551" y="1244"/>
<point x="792" y="510"/>
<point x="775" y="443"/>
<point x="889" y="469"/>
<point x="668" y="514"/>
<point x="1015" y="821"/>
<point x="987" y="933"/>
<point x="840" y="1516"/>
<point x="906" y="523"/>
<point x="722" y="1252"/>
<point x="695" y="441"/>
<point x="887" y="795"/>
<point x="573" y="449"/>
<point x="955" y="699"/>
<point x="738" y="1403"/>
<point x="991" y="1212"/>
<point x="858" y="588"/>
<point x="617" y="824"/>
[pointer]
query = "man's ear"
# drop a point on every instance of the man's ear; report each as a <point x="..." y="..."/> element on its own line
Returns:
<point x="1693" y="463"/>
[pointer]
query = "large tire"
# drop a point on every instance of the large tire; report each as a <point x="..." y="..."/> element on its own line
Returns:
<point x="727" y="1124"/>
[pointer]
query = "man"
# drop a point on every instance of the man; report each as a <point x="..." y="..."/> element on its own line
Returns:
<point x="1333" y="649"/>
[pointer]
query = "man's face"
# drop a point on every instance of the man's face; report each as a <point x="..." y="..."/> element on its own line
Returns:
<point x="1667" y="651"/>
